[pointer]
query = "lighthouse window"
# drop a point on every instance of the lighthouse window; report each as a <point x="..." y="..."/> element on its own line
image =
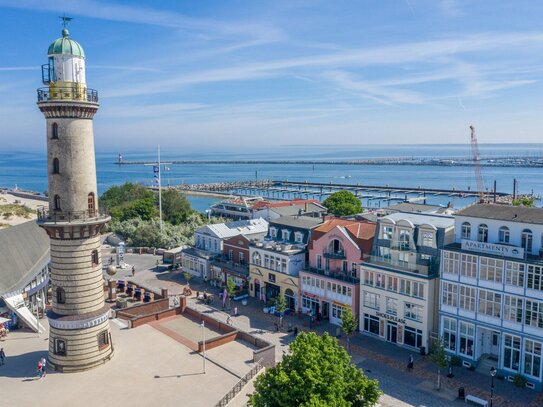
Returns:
<point x="90" y="204"/>
<point x="61" y="295"/>
<point x="57" y="203"/>
<point x="56" y="166"/>
<point x="103" y="339"/>
<point x="54" y="132"/>
<point x="60" y="347"/>
<point x="94" y="257"/>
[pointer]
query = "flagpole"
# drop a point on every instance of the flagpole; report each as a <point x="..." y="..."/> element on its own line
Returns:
<point x="159" y="190"/>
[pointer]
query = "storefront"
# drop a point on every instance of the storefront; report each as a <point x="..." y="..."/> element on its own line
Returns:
<point x="393" y="329"/>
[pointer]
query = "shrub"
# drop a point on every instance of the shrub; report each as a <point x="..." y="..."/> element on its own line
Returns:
<point x="456" y="361"/>
<point x="519" y="380"/>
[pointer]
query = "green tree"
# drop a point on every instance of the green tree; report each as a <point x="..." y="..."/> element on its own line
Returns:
<point x="343" y="203"/>
<point x="316" y="372"/>
<point x="187" y="276"/>
<point x="140" y="208"/>
<point x="175" y="207"/>
<point x="349" y="324"/>
<point x="120" y="195"/>
<point x="230" y="289"/>
<point x="438" y="356"/>
<point x="280" y="307"/>
<point x="524" y="201"/>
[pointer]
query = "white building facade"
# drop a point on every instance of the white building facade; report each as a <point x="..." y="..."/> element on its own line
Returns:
<point x="399" y="282"/>
<point x="491" y="299"/>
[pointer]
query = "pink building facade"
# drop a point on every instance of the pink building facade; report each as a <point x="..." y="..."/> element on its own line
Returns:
<point x="331" y="282"/>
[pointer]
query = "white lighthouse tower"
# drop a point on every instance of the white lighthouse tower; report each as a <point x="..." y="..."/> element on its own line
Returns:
<point x="80" y="337"/>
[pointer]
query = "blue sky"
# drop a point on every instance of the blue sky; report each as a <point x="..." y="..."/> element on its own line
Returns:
<point x="243" y="74"/>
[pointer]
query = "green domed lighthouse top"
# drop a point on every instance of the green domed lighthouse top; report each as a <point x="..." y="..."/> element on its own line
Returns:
<point x="65" y="45"/>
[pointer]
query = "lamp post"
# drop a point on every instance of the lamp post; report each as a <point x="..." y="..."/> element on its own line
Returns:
<point x="204" y="344"/>
<point x="492" y="374"/>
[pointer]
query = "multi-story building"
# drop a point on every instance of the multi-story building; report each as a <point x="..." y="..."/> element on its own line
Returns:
<point x="491" y="303"/>
<point x="209" y="243"/>
<point x="331" y="282"/>
<point x="293" y="229"/>
<point x="400" y="280"/>
<point x="274" y="270"/>
<point x="233" y="263"/>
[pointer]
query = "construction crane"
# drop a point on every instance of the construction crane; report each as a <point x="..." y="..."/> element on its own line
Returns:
<point x="477" y="165"/>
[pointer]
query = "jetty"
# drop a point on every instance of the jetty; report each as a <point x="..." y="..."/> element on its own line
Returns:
<point x="535" y="161"/>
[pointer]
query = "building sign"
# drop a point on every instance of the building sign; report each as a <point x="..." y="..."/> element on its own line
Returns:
<point x="493" y="248"/>
<point x="390" y="317"/>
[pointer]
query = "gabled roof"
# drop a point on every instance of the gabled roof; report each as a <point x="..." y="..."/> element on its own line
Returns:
<point x="229" y="229"/>
<point x="360" y="231"/>
<point x="24" y="251"/>
<point x="519" y="214"/>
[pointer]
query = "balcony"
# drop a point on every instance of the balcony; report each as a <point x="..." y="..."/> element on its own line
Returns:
<point x="417" y="268"/>
<point x="90" y="216"/>
<point x="67" y="93"/>
<point x="241" y="269"/>
<point x="336" y="274"/>
<point x="338" y="255"/>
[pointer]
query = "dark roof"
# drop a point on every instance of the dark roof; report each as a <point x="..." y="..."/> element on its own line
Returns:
<point x="302" y="222"/>
<point x="293" y="210"/>
<point x="24" y="251"/>
<point x="520" y="214"/>
<point x="415" y="208"/>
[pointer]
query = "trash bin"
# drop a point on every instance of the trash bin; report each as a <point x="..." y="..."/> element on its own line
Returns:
<point x="461" y="393"/>
<point x="423" y="350"/>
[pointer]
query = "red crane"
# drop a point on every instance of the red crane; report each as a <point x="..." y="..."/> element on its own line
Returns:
<point x="477" y="165"/>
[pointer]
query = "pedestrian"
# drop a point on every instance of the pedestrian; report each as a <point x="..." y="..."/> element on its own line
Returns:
<point x="229" y="320"/>
<point x="2" y="356"/>
<point x="157" y="263"/>
<point x="43" y="366"/>
<point x="410" y="362"/>
<point x="235" y="311"/>
<point x="40" y="367"/>
<point x="133" y="271"/>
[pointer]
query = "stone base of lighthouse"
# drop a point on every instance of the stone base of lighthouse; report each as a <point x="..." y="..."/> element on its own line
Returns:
<point x="79" y="342"/>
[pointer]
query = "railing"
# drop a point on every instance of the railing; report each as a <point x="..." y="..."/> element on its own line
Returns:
<point x="45" y="215"/>
<point x="336" y="274"/>
<point x="413" y="267"/>
<point x="334" y="255"/>
<point x="76" y="92"/>
<point x="228" y="397"/>
<point x="224" y="262"/>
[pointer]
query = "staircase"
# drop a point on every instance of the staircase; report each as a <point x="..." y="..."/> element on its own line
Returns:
<point x="486" y="362"/>
<point x="16" y="304"/>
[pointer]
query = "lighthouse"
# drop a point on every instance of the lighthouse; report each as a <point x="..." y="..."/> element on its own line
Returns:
<point x="79" y="334"/>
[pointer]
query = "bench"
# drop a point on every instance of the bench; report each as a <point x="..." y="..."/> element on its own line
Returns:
<point x="476" y="400"/>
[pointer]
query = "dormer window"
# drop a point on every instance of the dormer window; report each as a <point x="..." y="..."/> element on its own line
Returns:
<point x="427" y="239"/>
<point x="387" y="233"/>
<point x="404" y="239"/>
<point x="273" y="232"/>
<point x="285" y="235"/>
<point x="298" y="237"/>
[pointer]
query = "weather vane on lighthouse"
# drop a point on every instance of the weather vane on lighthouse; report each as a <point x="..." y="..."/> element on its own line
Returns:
<point x="65" y="20"/>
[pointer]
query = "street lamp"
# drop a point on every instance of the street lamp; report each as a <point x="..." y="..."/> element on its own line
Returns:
<point x="204" y="344"/>
<point x="492" y="374"/>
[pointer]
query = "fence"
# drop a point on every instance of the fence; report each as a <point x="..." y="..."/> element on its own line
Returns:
<point x="234" y="391"/>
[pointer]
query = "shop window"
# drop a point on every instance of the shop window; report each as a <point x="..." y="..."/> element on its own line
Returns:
<point x="60" y="347"/>
<point x="412" y="337"/>
<point x="61" y="295"/>
<point x="371" y="324"/>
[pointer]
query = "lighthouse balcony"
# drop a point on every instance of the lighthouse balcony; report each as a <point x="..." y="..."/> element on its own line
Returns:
<point x="76" y="92"/>
<point x="45" y="216"/>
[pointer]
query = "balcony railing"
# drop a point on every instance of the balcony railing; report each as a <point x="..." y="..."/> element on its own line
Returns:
<point x="45" y="215"/>
<point x="225" y="263"/>
<point x="78" y="93"/>
<point x="403" y="265"/>
<point x="339" y="255"/>
<point x="336" y="274"/>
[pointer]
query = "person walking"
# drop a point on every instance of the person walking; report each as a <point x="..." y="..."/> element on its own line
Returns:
<point x="44" y="366"/>
<point x="410" y="362"/>
<point x="133" y="271"/>
<point x="40" y="369"/>
<point x="2" y="357"/>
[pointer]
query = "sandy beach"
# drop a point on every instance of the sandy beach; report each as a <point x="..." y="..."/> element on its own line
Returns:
<point x="12" y="208"/>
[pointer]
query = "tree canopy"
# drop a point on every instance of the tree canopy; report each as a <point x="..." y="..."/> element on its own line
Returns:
<point x="129" y="201"/>
<point x="175" y="207"/>
<point x="343" y="203"/>
<point x="524" y="201"/>
<point x="316" y="372"/>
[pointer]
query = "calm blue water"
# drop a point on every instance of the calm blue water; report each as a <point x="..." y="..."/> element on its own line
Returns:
<point x="27" y="170"/>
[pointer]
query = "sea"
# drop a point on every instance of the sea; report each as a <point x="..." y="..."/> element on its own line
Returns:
<point x="27" y="169"/>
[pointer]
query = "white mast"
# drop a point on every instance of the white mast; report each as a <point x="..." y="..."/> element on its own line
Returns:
<point x="159" y="190"/>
